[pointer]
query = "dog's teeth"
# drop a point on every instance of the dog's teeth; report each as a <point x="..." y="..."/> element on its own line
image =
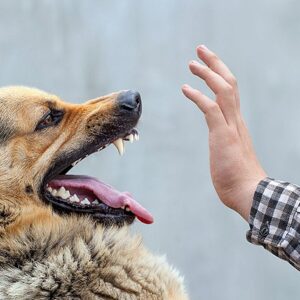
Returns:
<point x="127" y="208"/>
<point x="123" y="207"/>
<point x="131" y="138"/>
<point x="76" y="162"/>
<point x="101" y="148"/>
<point x="54" y="192"/>
<point x="136" y="136"/>
<point x="95" y="201"/>
<point x="49" y="189"/>
<point x="85" y="201"/>
<point x="74" y="198"/>
<point x="61" y="192"/>
<point x="66" y="195"/>
<point x="128" y="137"/>
<point x="119" y="145"/>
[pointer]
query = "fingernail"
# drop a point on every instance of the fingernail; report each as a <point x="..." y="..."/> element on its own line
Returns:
<point x="185" y="86"/>
<point x="193" y="62"/>
<point x="203" y="47"/>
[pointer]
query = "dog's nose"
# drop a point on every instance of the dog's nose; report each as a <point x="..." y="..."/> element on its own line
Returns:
<point x="130" y="101"/>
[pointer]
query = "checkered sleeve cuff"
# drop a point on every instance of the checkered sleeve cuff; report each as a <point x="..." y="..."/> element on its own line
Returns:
<point x="275" y="219"/>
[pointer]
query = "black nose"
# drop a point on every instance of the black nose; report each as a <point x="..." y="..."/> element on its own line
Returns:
<point x="130" y="101"/>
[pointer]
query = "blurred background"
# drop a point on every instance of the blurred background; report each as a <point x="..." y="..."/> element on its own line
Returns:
<point x="84" y="49"/>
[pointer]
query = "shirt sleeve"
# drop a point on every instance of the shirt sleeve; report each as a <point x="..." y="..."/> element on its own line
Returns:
<point x="275" y="219"/>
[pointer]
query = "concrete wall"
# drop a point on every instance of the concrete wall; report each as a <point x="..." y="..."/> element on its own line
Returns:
<point x="83" y="49"/>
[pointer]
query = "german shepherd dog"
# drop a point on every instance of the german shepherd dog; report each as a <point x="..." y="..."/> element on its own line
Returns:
<point x="65" y="236"/>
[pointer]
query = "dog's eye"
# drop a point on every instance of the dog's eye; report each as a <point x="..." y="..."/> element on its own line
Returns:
<point x="50" y="119"/>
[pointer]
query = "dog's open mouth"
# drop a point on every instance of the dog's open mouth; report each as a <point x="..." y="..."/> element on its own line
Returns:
<point x="88" y="195"/>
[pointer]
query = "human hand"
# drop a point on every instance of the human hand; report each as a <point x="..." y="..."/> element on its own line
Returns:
<point x="235" y="169"/>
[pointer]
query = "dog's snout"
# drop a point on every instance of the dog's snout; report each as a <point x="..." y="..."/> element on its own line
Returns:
<point x="130" y="101"/>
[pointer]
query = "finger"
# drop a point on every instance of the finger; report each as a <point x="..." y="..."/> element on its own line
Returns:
<point x="214" y="81"/>
<point x="223" y="91"/>
<point x="211" y="109"/>
<point x="216" y="64"/>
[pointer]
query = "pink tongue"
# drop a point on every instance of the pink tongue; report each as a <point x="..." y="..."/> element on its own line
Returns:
<point x="106" y="193"/>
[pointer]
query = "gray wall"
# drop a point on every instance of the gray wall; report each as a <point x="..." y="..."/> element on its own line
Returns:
<point x="83" y="49"/>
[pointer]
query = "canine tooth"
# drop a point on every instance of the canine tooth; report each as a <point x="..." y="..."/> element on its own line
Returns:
<point x="49" y="189"/>
<point x="74" y="198"/>
<point x="119" y="145"/>
<point x="95" y="201"/>
<point x="54" y="192"/>
<point x="127" y="208"/>
<point x="85" y="201"/>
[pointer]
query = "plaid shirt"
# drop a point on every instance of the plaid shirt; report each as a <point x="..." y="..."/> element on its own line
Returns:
<point x="275" y="219"/>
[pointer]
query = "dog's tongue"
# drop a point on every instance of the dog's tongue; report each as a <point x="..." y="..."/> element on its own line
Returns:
<point x="106" y="193"/>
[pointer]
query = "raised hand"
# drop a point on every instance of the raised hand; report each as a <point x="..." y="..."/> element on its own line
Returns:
<point x="235" y="169"/>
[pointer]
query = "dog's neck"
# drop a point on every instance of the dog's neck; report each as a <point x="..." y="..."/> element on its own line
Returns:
<point x="78" y="257"/>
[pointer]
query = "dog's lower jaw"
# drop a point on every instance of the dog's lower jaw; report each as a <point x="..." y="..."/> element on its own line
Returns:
<point x="74" y="258"/>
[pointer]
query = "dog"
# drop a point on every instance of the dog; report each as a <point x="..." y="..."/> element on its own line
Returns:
<point x="66" y="236"/>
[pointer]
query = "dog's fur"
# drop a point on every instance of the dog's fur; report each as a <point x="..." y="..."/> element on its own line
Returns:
<point x="47" y="255"/>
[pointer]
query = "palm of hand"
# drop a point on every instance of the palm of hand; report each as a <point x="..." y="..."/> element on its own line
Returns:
<point x="235" y="169"/>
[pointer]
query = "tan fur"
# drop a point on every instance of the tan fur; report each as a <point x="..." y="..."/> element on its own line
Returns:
<point x="44" y="255"/>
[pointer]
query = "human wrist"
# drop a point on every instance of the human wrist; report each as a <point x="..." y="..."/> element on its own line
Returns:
<point x="245" y="197"/>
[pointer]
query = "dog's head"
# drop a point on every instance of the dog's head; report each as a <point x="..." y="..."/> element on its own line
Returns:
<point x="42" y="138"/>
